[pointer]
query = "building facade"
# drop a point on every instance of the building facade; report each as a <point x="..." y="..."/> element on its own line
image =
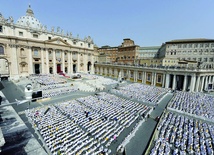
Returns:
<point x="127" y="52"/>
<point x="109" y="52"/>
<point x="189" y="51"/>
<point x="28" y="47"/>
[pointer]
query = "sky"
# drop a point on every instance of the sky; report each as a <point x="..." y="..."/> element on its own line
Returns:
<point x="108" y="22"/>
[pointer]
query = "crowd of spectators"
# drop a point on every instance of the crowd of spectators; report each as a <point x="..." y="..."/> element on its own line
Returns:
<point x="199" y="104"/>
<point x="145" y="93"/>
<point x="86" y="125"/>
<point x="178" y="134"/>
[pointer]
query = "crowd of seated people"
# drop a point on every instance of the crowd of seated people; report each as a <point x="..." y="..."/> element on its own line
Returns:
<point x="86" y="125"/>
<point x="51" y="85"/>
<point x="194" y="103"/>
<point x="115" y="108"/>
<point x="145" y="93"/>
<point x="90" y="76"/>
<point x="59" y="91"/>
<point x="178" y="134"/>
<point x="46" y="79"/>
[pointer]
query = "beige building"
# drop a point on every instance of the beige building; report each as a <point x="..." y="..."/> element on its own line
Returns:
<point x="110" y="52"/>
<point x="127" y="52"/>
<point x="187" y="52"/>
<point x="29" y="47"/>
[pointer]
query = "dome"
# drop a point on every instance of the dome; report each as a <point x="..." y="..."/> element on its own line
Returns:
<point x="29" y="20"/>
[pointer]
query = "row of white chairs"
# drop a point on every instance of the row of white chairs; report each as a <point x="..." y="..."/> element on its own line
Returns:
<point x="145" y="93"/>
<point x="199" y="104"/>
<point x="178" y="134"/>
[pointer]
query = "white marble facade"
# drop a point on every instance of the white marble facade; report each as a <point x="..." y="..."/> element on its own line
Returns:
<point x="30" y="48"/>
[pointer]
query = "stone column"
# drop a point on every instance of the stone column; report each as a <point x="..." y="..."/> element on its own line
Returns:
<point x="197" y="83"/>
<point x="92" y="64"/>
<point x="206" y="83"/>
<point x="71" y="62"/>
<point x="14" y="67"/>
<point x="154" y="81"/>
<point x="193" y="79"/>
<point x="144" y="78"/>
<point x="185" y="83"/>
<point x="63" y="61"/>
<point x="78" y="62"/>
<point x="47" y="61"/>
<point x="174" y="82"/>
<point x="163" y="79"/>
<point x="42" y="61"/>
<point x="85" y="61"/>
<point x="30" y="61"/>
<point x="167" y="81"/>
<point x="135" y="76"/>
<point x="54" y="62"/>
<point x="202" y="84"/>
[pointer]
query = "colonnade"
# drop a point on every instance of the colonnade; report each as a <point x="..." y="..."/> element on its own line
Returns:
<point x="176" y="80"/>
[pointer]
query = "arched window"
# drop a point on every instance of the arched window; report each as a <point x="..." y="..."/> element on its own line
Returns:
<point x="1" y="50"/>
<point x="51" y="70"/>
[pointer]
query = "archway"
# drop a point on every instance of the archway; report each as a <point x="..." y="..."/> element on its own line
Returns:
<point x="37" y="68"/>
<point x="51" y="70"/>
<point x="89" y="66"/>
<point x="58" y="68"/>
<point x="74" y="68"/>
<point x="4" y="68"/>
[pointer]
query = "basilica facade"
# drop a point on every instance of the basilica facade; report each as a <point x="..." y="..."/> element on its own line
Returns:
<point x="28" y="47"/>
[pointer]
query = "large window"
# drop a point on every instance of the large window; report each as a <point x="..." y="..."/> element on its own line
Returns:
<point x="1" y="50"/>
<point x="36" y="52"/>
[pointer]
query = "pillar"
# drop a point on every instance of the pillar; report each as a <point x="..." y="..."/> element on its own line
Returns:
<point x="92" y="64"/>
<point x="78" y="62"/>
<point x="163" y="79"/>
<point x="154" y="81"/>
<point x="63" y="61"/>
<point x="202" y="84"/>
<point x="174" y="82"/>
<point x="185" y="83"/>
<point x="14" y="67"/>
<point x="47" y="61"/>
<point x="85" y="61"/>
<point x="197" y="84"/>
<point x="54" y="62"/>
<point x="71" y="62"/>
<point x="30" y="61"/>
<point x="206" y="83"/>
<point x="42" y="60"/>
<point x="167" y="81"/>
<point x="193" y="79"/>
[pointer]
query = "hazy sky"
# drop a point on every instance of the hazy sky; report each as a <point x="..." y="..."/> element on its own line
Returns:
<point x="108" y="22"/>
